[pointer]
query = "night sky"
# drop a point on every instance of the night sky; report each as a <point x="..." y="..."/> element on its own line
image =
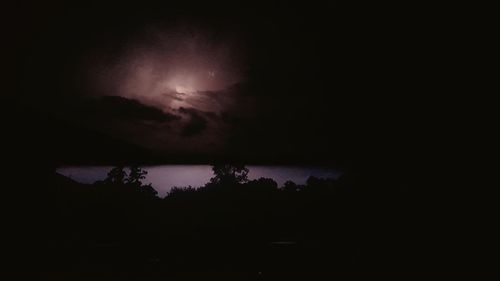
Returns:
<point x="198" y="82"/>
<point x="372" y="93"/>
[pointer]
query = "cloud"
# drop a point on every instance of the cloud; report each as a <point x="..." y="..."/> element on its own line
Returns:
<point x="128" y="109"/>
<point x="169" y="67"/>
<point x="205" y="123"/>
<point x="196" y="124"/>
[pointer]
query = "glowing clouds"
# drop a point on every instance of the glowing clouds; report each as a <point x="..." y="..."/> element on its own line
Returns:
<point x="186" y="84"/>
<point x="180" y="91"/>
<point x="171" y="69"/>
<point x="184" y="90"/>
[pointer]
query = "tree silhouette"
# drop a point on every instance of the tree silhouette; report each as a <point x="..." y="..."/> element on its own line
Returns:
<point x="279" y="226"/>
<point x="263" y="184"/>
<point x="228" y="174"/>
<point x="131" y="182"/>
<point x="136" y="175"/>
<point x="181" y="191"/>
<point x="149" y="190"/>
<point x="290" y="186"/>
<point x="117" y="175"/>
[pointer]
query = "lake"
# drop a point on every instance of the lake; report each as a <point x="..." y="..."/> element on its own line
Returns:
<point x="163" y="178"/>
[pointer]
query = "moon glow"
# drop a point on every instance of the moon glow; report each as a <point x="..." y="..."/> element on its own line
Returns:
<point x="172" y="69"/>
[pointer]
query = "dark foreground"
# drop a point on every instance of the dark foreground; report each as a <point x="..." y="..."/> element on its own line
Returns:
<point x="350" y="228"/>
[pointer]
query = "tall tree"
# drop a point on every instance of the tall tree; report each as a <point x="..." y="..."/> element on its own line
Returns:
<point x="136" y="175"/>
<point x="117" y="175"/>
<point x="229" y="174"/>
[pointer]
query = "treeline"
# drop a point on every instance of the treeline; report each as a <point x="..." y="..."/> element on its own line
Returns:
<point x="231" y="228"/>
<point x="233" y="178"/>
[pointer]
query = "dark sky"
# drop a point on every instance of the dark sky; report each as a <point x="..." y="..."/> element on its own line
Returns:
<point x="202" y="81"/>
